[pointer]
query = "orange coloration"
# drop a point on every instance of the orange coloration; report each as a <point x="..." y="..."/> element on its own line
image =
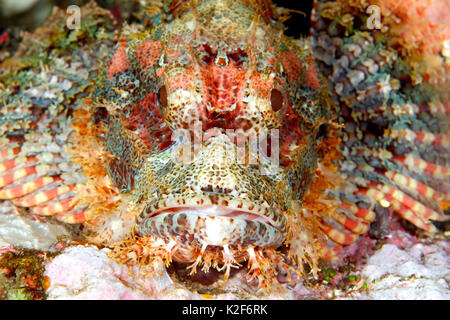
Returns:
<point x="410" y="215"/>
<point x="316" y="206"/>
<point x="419" y="29"/>
<point x="16" y="175"/>
<point x="407" y="207"/>
<point x="331" y="252"/>
<point x="261" y="85"/>
<point x="54" y="208"/>
<point x="148" y="53"/>
<point x="312" y="80"/>
<point x="173" y="53"/>
<point x="182" y="80"/>
<point x="31" y="282"/>
<point x="9" y="164"/>
<point x="219" y="83"/>
<point x="292" y="134"/>
<point x="119" y="62"/>
<point x="98" y="192"/>
<point x="437" y="108"/>
<point x="353" y="225"/>
<point x="45" y="283"/>
<point x="26" y="188"/>
<point x="423" y="166"/>
<point x="271" y="60"/>
<point x="72" y="217"/>
<point x="423" y="24"/>
<point x="159" y="136"/>
<point x="339" y="236"/>
<point x="408" y="201"/>
<point x="249" y="76"/>
<point x="43" y="196"/>
<point x="291" y="64"/>
<point x="363" y="213"/>
<point x="7" y="153"/>
<point x="414" y="185"/>
<point x="160" y="72"/>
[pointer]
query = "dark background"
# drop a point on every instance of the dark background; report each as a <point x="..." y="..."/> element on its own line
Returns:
<point x="297" y="25"/>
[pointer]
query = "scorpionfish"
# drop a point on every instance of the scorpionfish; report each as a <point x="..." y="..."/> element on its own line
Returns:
<point x="205" y="135"/>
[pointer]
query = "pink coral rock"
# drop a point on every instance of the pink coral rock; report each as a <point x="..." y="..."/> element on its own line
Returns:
<point x="82" y="272"/>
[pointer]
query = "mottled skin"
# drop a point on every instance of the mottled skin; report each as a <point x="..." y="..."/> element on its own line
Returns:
<point x="355" y="137"/>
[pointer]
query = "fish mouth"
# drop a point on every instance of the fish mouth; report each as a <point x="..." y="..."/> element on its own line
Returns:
<point x="205" y="220"/>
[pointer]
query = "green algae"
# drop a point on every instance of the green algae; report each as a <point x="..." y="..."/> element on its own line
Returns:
<point x="22" y="275"/>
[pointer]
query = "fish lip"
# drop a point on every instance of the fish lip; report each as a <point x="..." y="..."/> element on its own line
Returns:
<point x="224" y="206"/>
<point x="213" y="210"/>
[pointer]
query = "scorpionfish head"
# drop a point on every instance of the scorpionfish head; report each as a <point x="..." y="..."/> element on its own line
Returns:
<point x="214" y="127"/>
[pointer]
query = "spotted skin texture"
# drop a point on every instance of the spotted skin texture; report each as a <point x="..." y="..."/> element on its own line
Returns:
<point x="357" y="134"/>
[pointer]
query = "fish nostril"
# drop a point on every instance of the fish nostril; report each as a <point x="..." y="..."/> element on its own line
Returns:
<point x="217" y="116"/>
<point x="220" y="119"/>
<point x="207" y="189"/>
<point x="216" y="190"/>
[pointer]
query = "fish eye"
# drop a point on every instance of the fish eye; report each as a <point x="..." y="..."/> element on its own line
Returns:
<point x="162" y="96"/>
<point x="276" y="100"/>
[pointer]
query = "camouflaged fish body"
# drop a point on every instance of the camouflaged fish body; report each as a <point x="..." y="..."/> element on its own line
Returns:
<point x="102" y="141"/>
